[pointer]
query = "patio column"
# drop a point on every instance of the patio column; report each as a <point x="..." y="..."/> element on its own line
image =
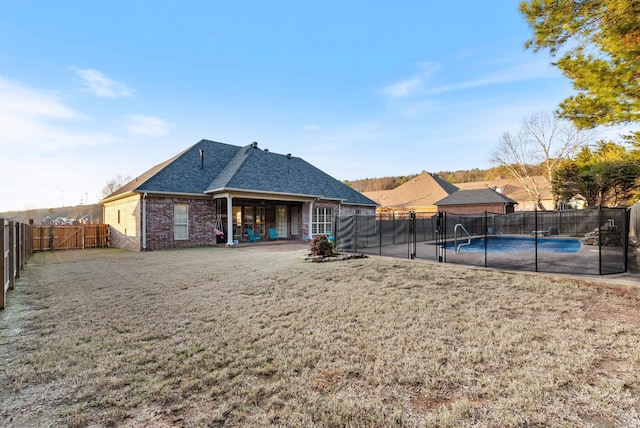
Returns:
<point x="229" y="220"/>
<point x="310" y="220"/>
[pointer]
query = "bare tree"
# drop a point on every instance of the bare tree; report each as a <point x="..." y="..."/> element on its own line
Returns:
<point x="542" y="140"/>
<point x="114" y="184"/>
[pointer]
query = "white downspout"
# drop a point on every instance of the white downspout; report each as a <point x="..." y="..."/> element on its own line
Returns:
<point x="310" y="220"/>
<point x="144" y="221"/>
<point x="229" y="221"/>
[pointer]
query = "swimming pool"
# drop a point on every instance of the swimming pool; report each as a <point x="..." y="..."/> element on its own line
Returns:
<point x="504" y="244"/>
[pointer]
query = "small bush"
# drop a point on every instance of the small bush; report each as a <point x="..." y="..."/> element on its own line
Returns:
<point x="320" y="246"/>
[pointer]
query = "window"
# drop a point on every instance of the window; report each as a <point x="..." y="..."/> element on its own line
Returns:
<point x="321" y="221"/>
<point x="295" y="220"/>
<point x="237" y="221"/>
<point x="259" y="229"/>
<point x="180" y="221"/>
<point x="249" y="219"/>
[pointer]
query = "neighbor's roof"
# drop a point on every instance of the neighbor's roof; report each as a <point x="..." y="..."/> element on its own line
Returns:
<point x="421" y="191"/>
<point x="475" y="197"/>
<point x="209" y="167"/>
<point x="512" y="188"/>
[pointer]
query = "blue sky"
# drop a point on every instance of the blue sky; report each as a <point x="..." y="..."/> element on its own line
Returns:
<point x="92" y="90"/>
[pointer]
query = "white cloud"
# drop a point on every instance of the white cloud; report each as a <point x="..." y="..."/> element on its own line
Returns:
<point x="18" y="100"/>
<point x="39" y="120"/>
<point x="404" y="88"/>
<point x="513" y="73"/>
<point x="507" y="71"/>
<point x="147" y="126"/>
<point x="40" y="141"/>
<point x="412" y="85"/>
<point x="100" y="85"/>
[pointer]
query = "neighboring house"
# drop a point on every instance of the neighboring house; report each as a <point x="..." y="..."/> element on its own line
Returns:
<point x="477" y="201"/>
<point x="418" y="194"/>
<point x="214" y="189"/>
<point x="511" y="188"/>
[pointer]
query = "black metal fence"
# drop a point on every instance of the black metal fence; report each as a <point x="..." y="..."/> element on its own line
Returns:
<point x="593" y="241"/>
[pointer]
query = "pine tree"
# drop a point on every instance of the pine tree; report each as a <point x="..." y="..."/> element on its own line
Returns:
<point x="597" y="43"/>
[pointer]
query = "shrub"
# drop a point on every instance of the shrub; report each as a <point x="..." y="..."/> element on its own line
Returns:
<point x="320" y="246"/>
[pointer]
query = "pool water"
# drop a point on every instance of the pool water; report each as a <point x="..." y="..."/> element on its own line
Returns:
<point x="500" y="244"/>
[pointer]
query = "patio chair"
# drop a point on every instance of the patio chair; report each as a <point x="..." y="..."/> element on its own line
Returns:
<point x="252" y="237"/>
<point x="329" y="236"/>
<point x="551" y="230"/>
<point x="273" y="235"/>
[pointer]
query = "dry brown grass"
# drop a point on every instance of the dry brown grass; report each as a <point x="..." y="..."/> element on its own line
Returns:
<point x="249" y="337"/>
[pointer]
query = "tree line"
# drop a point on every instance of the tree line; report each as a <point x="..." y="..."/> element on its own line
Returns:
<point x="457" y="176"/>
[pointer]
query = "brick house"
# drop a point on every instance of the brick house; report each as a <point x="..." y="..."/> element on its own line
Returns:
<point x="418" y="194"/>
<point x="476" y="201"/>
<point x="214" y="193"/>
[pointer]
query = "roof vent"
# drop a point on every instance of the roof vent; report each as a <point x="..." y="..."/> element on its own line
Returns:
<point x="288" y="155"/>
<point x="266" y="150"/>
<point x="254" y="144"/>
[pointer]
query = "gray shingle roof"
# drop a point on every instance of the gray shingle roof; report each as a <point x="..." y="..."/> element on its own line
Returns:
<point x="475" y="197"/>
<point x="227" y="167"/>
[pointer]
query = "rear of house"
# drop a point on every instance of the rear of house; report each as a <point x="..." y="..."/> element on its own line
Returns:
<point x="216" y="193"/>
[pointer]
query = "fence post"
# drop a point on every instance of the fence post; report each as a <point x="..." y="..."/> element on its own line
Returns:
<point x="380" y="230"/>
<point x="19" y="246"/>
<point x="600" y="240"/>
<point x="4" y="266"/>
<point x="486" y="238"/>
<point x="627" y="218"/>
<point x="30" y="247"/>
<point x="12" y="255"/>
<point x="412" y="235"/>
<point x="535" y="233"/>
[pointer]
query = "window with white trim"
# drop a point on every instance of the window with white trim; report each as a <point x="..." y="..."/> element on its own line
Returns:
<point x="321" y="221"/>
<point x="180" y="221"/>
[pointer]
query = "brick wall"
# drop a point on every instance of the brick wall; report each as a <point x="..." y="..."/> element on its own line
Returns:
<point x="202" y="215"/>
<point x="473" y="209"/>
<point x="353" y="209"/>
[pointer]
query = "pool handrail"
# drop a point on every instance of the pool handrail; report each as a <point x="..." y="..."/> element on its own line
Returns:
<point x="455" y="237"/>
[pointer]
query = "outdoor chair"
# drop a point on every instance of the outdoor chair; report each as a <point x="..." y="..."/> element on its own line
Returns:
<point x="549" y="232"/>
<point x="252" y="237"/>
<point x="273" y="235"/>
<point x="329" y="236"/>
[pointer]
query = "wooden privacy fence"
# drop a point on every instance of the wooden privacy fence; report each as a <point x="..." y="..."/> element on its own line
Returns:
<point x="16" y="245"/>
<point x="74" y="237"/>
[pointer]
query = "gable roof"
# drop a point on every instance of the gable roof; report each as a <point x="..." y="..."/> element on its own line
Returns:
<point x="512" y="188"/>
<point x="209" y="167"/>
<point x="421" y="191"/>
<point x="475" y="197"/>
